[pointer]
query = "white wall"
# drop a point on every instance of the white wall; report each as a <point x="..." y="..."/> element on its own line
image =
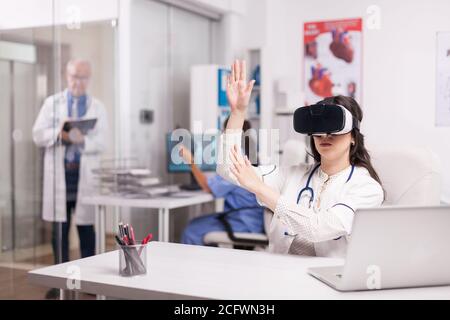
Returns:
<point x="210" y="8"/>
<point x="37" y="13"/>
<point x="398" y="69"/>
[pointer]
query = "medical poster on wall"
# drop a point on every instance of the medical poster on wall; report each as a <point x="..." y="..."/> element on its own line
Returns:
<point x="332" y="59"/>
<point x="443" y="80"/>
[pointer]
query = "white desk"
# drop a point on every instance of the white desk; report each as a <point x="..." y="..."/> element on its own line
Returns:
<point x="163" y="204"/>
<point x="177" y="271"/>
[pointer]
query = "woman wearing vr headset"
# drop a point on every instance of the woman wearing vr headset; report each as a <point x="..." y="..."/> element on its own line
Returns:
<point x="313" y="205"/>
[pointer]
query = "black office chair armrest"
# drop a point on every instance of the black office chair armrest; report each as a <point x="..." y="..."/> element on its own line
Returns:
<point x="222" y="218"/>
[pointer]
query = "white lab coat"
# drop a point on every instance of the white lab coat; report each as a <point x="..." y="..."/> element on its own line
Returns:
<point x="45" y="134"/>
<point x="325" y="225"/>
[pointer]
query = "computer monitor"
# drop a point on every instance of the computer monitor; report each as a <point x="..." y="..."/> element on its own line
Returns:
<point x="202" y="146"/>
<point x="175" y="163"/>
<point x="205" y="151"/>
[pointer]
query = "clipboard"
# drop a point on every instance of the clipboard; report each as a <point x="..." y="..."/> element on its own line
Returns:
<point x="83" y="125"/>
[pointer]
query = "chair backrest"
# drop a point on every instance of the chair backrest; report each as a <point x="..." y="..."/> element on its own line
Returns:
<point x="411" y="176"/>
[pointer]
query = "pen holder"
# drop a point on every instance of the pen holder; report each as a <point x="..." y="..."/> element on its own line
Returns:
<point x="133" y="260"/>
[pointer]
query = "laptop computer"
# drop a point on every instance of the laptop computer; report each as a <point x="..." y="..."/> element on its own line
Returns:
<point x="394" y="247"/>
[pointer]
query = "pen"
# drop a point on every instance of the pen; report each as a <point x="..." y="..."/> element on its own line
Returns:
<point x="120" y="242"/>
<point x="145" y="241"/>
<point x="147" y="238"/>
<point x="127" y="231"/>
<point x="133" y="240"/>
<point x="121" y="234"/>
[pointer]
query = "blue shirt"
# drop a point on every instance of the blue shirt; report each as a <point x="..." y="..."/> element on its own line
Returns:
<point x="72" y="155"/>
<point x="73" y="152"/>
<point x="235" y="198"/>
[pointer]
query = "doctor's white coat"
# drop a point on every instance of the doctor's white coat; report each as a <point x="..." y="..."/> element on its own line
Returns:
<point x="45" y="134"/>
<point x="324" y="225"/>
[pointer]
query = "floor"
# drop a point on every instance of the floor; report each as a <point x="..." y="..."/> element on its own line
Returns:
<point x="14" y="282"/>
<point x="15" y="286"/>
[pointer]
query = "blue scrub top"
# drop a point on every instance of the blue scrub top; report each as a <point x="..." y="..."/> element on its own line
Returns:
<point x="235" y="198"/>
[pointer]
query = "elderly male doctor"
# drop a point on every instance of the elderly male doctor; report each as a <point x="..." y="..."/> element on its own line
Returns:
<point x="69" y="159"/>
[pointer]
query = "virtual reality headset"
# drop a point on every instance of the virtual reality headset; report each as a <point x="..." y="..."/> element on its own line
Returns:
<point x="323" y="119"/>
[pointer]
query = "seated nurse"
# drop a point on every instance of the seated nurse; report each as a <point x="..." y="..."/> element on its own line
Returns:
<point x="313" y="205"/>
<point x="245" y="220"/>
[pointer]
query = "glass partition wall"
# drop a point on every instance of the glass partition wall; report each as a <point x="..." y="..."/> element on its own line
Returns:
<point x="35" y="99"/>
<point x="62" y="70"/>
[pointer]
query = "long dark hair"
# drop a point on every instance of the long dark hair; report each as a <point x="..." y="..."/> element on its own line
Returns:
<point x="246" y="139"/>
<point x="359" y="156"/>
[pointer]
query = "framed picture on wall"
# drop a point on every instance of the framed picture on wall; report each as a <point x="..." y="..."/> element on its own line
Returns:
<point x="443" y="79"/>
<point x="332" y="59"/>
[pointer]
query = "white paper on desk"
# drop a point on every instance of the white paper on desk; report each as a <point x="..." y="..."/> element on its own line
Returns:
<point x="183" y="194"/>
<point x="140" y="172"/>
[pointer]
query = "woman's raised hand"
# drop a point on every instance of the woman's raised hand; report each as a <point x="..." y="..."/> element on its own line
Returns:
<point x="243" y="171"/>
<point x="238" y="90"/>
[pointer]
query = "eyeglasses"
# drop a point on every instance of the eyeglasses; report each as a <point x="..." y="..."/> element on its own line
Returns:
<point x="78" y="78"/>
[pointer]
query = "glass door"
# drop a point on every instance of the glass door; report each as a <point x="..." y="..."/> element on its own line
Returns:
<point x="20" y="166"/>
<point x="6" y="199"/>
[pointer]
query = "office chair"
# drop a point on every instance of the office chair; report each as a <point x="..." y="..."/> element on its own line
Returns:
<point x="292" y="153"/>
<point x="411" y="176"/>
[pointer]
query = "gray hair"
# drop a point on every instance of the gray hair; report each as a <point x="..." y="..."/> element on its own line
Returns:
<point x="75" y="61"/>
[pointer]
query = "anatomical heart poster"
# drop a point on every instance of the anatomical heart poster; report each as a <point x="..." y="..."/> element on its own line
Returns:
<point x="443" y="80"/>
<point x="332" y="59"/>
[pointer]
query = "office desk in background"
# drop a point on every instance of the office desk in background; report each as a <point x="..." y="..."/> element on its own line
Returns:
<point x="162" y="203"/>
<point x="177" y="271"/>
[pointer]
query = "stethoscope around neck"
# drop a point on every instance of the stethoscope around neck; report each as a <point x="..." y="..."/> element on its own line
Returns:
<point x="309" y="189"/>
